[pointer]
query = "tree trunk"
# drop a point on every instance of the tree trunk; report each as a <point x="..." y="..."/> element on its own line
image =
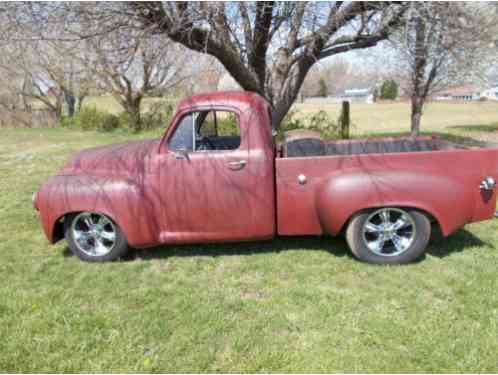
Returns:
<point x="418" y="92"/>
<point x="58" y="109"/>
<point x="70" y="102"/>
<point x="132" y="108"/>
<point x="135" y="119"/>
<point x="417" y="107"/>
<point x="80" y="101"/>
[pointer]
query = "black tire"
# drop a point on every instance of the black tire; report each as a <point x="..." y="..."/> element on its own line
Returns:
<point x="356" y="237"/>
<point x="118" y="249"/>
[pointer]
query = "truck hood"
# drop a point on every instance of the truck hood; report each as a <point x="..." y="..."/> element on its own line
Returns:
<point x="120" y="159"/>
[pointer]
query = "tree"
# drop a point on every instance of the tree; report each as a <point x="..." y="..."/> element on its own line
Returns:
<point x="440" y="44"/>
<point x="131" y="66"/>
<point x="322" y="87"/>
<point x="389" y="90"/>
<point x="268" y="47"/>
<point x="41" y="70"/>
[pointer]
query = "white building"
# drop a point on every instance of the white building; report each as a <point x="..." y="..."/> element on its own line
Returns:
<point x="491" y="93"/>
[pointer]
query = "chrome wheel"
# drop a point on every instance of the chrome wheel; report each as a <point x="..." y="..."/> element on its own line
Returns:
<point x="93" y="233"/>
<point x="389" y="232"/>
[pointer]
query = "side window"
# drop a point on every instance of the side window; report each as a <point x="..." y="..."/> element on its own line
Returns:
<point x="183" y="137"/>
<point x="208" y="126"/>
<point x="206" y="131"/>
<point x="227" y="124"/>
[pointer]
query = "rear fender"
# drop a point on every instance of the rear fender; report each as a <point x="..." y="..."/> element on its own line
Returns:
<point x="445" y="198"/>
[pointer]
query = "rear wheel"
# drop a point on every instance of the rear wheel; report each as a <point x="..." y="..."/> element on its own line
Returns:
<point x="388" y="235"/>
<point x="94" y="237"/>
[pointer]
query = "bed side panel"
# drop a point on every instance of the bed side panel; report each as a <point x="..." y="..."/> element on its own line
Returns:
<point x="443" y="183"/>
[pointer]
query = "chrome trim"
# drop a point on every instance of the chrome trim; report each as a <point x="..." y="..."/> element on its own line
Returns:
<point x="488" y="183"/>
<point x="388" y="238"/>
<point x="93" y="233"/>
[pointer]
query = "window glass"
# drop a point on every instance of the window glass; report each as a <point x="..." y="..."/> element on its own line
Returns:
<point x="214" y="131"/>
<point x="208" y="125"/>
<point x="183" y="138"/>
<point x="227" y="124"/>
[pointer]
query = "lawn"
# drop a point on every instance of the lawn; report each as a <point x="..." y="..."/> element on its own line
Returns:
<point x="395" y="117"/>
<point x="289" y="305"/>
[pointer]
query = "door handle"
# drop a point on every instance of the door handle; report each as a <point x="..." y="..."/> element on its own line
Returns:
<point x="236" y="165"/>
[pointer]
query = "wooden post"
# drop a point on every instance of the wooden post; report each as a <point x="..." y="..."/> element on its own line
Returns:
<point x="345" y="120"/>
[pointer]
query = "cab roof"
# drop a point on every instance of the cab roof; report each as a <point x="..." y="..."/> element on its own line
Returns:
<point x="239" y="99"/>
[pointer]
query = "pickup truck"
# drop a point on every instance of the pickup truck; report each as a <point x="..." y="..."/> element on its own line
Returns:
<point x="218" y="175"/>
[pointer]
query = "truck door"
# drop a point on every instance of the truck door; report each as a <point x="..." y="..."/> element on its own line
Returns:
<point x="216" y="187"/>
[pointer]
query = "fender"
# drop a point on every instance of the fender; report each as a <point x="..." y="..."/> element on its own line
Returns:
<point x="447" y="199"/>
<point x="123" y="200"/>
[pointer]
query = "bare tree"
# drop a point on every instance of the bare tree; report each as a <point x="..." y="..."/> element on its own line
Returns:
<point x="268" y="47"/>
<point x="131" y="66"/>
<point x="440" y="44"/>
<point x="40" y="59"/>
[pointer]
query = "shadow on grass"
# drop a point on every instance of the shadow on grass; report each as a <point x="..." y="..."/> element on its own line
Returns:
<point x="336" y="246"/>
<point x="455" y="243"/>
<point x="489" y="128"/>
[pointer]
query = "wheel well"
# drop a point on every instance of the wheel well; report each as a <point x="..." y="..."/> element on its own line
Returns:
<point x="58" y="230"/>
<point x="433" y="220"/>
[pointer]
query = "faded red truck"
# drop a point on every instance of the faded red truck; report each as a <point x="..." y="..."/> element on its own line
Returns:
<point x="217" y="175"/>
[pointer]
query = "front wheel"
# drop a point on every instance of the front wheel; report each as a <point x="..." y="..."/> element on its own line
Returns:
<point x="388" y="235"/>
<point x="94" y="237"/>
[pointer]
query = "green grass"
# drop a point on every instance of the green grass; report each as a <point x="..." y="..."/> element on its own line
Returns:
<point x="289" y="305"/>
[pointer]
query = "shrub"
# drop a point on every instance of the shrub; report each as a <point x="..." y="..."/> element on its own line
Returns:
<point x="323" y="123"/>
<point x="90" y="118"/>
<point x="320" y="121"/>
<point x="291" y="121"/>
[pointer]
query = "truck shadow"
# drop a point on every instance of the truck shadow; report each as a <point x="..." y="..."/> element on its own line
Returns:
<point x="455" y="243"/>
<point x="336" y="246"/>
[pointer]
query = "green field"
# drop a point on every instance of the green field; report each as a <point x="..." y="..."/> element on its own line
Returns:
<point x="289" y="305"/>
<point x="394" y="117"/>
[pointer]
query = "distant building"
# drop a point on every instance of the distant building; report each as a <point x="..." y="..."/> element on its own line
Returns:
<point x="491" y="93"/>
<point x="360" y="95"/>
<point x="356" y="95"/>
<point x="464" y="93"/>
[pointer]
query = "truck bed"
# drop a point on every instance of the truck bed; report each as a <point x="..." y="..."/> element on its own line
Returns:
<point x="309" y="144"/>
<point x="320" y="185"/>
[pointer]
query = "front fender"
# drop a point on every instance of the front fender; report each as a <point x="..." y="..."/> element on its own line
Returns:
<point x="447" y="199"/>
<point x="121" y="199"/>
